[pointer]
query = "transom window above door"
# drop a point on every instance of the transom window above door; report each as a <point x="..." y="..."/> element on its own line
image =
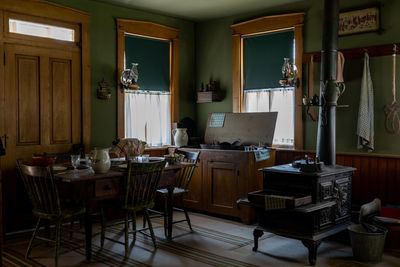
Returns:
<point x="41" y="30"/>
<point x="36" y="29"/>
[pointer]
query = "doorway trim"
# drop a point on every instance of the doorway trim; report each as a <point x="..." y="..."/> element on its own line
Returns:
<point x="55" y="12"/>
<point x="58" y="13"/>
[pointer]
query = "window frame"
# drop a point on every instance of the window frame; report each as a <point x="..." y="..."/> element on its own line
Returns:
<point x="264" y="25"/>
<point x="150" y="30"/>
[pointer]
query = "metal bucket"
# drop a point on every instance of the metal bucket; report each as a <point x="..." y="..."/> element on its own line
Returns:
<point x="367" y="246"/>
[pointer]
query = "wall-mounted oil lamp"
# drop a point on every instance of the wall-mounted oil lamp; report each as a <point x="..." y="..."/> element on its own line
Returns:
<point x="129" y="78"/>
<point x="289" y="74"/>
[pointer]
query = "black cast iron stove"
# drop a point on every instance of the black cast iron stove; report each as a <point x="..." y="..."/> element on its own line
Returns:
<point x="308" y="206"/>
<point x="310" y="200"/>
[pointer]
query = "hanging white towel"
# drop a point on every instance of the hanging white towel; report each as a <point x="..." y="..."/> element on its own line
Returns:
<point x="340" y="67"/>
<point x="365" y="124"/>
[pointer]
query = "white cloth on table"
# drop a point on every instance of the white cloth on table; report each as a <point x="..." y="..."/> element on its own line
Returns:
<point x="365" y="124"/>
<point x="340" y="67"/>
<point x="129" y="147"/>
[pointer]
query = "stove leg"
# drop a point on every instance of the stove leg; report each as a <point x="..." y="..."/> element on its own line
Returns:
<point x="257" y="233"/>
<point x="312" y="250"/>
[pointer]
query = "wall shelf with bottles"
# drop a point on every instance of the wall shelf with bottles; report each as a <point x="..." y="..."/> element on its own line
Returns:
<point x="208" y="97"/>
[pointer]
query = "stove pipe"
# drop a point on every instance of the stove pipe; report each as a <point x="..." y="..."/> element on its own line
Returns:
<point x="326" y="139"/>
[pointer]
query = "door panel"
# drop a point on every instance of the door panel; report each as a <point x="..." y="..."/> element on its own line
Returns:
<point x="221" y="179"/>
<point x="222" y="183"/>
<point x="61" y="94"/>
<point x="43" y="103"/>
<point x="28" y="95"/>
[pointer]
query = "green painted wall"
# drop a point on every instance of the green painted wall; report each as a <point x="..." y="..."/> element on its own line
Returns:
<point x="103" y="59"/>
<point x="206" y="55"/>
<point x="214" y="62"/>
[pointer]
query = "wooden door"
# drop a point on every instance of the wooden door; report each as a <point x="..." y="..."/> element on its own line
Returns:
<point x="222" y="179"/>
<point x="43" y="114"/>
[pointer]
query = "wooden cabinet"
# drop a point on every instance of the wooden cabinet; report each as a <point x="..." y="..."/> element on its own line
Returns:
<point x="222" y="177"/>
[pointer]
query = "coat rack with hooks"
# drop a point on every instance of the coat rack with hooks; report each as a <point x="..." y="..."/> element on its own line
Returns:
<point x="354" y="53"/>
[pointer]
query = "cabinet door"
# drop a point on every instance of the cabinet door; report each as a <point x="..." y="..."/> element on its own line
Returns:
<point x="222" y="179"/>
<point x="194" y="198"/>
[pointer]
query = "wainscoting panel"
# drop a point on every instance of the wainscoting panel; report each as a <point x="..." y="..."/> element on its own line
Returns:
<point x="376" y="175"/>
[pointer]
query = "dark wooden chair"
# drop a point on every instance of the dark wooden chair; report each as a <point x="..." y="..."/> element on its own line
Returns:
<point x="46" y="204"/>
<point x="181" y="188"/>
<point x="140" y="189"/>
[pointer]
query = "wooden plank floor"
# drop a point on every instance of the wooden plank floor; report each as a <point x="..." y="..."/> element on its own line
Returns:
<point x="214" y="242"/>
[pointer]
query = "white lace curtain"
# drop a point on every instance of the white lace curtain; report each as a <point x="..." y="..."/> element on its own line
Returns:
<point x="147" y="117"/>
<point x="270" y="101"/>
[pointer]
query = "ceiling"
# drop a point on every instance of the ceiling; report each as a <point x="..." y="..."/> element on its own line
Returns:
<point x="199" y="10"/>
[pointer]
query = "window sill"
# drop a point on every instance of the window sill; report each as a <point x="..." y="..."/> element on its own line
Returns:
<point x="156" y="147"/>
<point x="283" y="147"/>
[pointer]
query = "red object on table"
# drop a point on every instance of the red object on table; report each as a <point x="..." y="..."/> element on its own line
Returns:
<point x="43" y="160"/>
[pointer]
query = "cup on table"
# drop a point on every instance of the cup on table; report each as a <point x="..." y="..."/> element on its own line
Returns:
<point x="145" y="158"/>
<point x="75" y="159"/>
<point x="88" y="161"/>
<point x="134" y="158"/>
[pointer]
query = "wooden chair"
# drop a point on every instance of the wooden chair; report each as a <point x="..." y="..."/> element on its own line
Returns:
<point x="43" y="194"/>
<point x="140" y="189"/>
<point x="182" y="187"/>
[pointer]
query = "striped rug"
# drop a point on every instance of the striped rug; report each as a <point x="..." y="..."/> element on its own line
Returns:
<point x="192" y="252"/>
<point x="13" y="255"/>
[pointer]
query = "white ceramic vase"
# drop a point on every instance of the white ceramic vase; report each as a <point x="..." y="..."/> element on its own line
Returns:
<point x="180" y="136"/>
<point x="101" y="160"/>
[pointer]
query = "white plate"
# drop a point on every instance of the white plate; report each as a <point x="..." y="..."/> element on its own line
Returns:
<point x="59" y="168"/>
<point x="117" y="159"/>
<point x="156" y="158"/>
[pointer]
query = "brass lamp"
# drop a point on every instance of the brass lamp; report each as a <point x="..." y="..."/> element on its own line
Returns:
<point x="129" y="78"/>
<point x="289" y="74"/>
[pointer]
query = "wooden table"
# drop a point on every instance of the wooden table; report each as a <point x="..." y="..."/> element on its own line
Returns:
<point x="95" y="187"/>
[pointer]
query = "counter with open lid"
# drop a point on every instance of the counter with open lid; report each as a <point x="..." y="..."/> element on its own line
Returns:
<point x="237" y="130"/>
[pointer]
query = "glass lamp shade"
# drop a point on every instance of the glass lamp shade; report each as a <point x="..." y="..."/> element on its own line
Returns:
<point x="130" y="76"/>
<point x="289" y="73"/>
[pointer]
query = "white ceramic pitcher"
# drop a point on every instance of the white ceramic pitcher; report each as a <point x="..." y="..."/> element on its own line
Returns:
<point x="101" y="160"/>
<point x="180" y="136"/>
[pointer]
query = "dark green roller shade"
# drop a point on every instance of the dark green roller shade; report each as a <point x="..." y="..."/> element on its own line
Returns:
<point x="263" y="58"/>
<point x="153" y="58"/>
